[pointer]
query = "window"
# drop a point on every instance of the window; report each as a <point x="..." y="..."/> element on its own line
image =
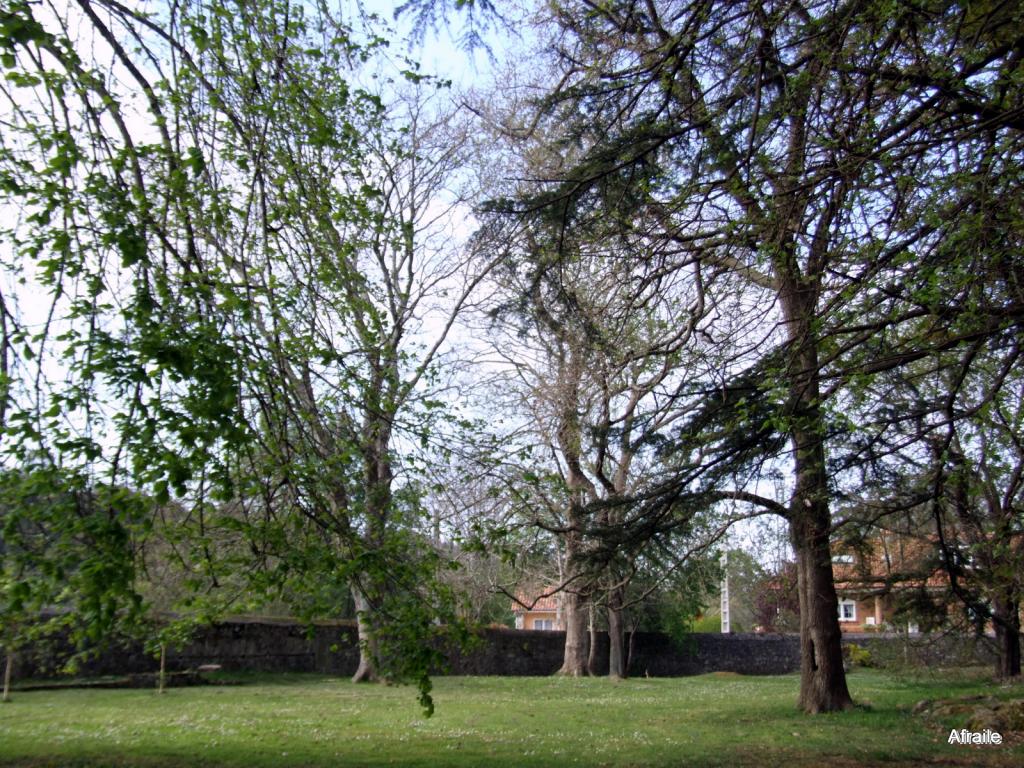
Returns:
<point x="543" y="623"/>
<point x="847" y="610"/>
<point x="913" y="628"/>
<point x="870" y="621"/>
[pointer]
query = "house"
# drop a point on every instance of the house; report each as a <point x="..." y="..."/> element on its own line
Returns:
<point x="889" y="582"/>
<point x="882" y="575"/>
<point x="532" y="612"/>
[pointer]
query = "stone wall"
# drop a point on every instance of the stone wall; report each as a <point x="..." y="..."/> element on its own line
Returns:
<point x="747" y="654"/>
<point x="891" y="651"/>
<point x="332" y="648"/>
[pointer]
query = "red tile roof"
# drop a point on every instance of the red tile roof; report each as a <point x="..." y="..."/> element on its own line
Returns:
<point x="893" y="562"/>
<point x="549" y="603"/>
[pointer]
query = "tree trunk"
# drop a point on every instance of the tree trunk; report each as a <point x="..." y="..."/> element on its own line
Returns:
<point x="616" y="636"/>
<point x="8" y="669"/>
<point x="631" y="647"/>
<point x="592" y="654"/>
<point x="1006" y="615"/>
<point x="822" y="677"/>
<point x="162" y="678"/>
<point x="367" y="670"/>
<point x="377" y="477"/>
<point x="574" y="660"/>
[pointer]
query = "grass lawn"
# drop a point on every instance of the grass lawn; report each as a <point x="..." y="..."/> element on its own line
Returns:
<point x="306" y="720"/>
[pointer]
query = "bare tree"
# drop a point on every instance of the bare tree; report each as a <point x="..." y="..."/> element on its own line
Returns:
<point x="597" y="347"/>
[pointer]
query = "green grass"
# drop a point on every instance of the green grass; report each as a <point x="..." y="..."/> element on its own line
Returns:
<point x="304" y="720"/>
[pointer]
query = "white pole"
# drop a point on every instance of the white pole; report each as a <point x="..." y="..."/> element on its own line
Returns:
<point x="725" y="594"/>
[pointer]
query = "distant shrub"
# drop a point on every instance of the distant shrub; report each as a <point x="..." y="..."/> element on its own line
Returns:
<point x="707" y="624"/>
<point x="857" y="656"/>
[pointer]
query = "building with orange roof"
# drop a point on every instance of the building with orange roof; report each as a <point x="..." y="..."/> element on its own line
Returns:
<point x="538" y="610"/>
<point x="872" y="579"/>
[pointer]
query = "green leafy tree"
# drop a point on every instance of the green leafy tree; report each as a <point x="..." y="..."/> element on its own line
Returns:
<point x="67" y="561"/>
<point x="239" y="245"/>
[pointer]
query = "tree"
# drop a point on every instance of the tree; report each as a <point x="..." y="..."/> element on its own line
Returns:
<point x="239" y="267"/>
<point x="556" y="393"/>
<point x="957" y="451"/>
<point x="776" y="608"/>
<point x="746" y="577"/>
<point x="67" y="561"/>
<point x="597" y="347"/>
<point x="800" y="149"/>
<point x="937" y="451"/>
<point x="93" y="330"/>
<point x="981" y="529"/>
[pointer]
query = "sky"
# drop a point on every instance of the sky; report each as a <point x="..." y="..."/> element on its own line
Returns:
<point x="439" y="51"/>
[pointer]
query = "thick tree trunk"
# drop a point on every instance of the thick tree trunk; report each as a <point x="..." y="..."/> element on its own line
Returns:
<point x="616" y="636"/>
<point x="1007" y="624"/>
<point x="574" y="660"/>
<point x="822" y="677"/>
<point x="367" y="669"/>
<point x="616" y="645"/>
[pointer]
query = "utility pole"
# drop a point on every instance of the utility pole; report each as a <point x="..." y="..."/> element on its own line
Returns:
<point x="725" y="594"/>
